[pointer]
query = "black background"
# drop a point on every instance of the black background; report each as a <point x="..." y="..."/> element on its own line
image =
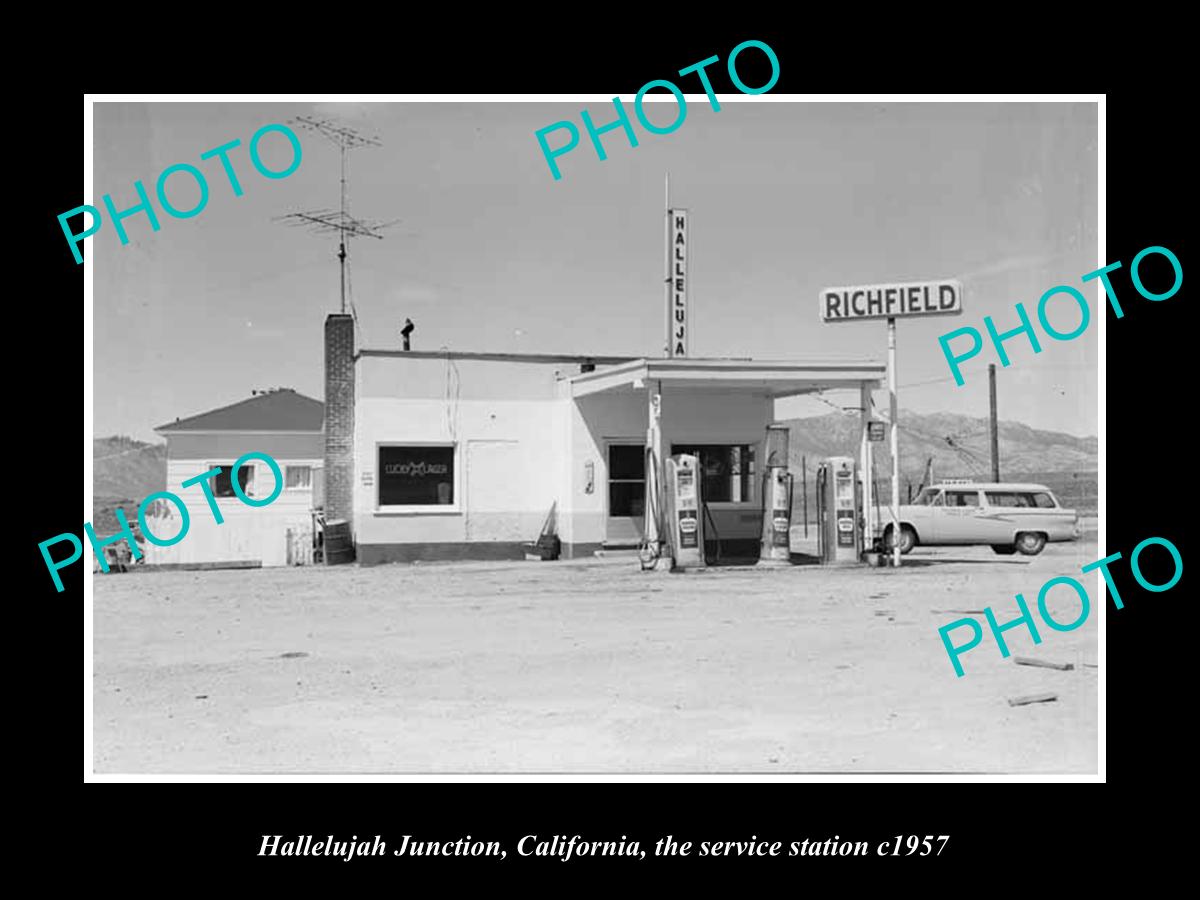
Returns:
<point x="1016" y="836"/>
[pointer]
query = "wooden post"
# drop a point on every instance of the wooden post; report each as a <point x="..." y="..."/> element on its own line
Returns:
<point x="995" y="427"/>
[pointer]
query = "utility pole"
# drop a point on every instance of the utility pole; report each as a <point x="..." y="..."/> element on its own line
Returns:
<point x="995" y="428"/>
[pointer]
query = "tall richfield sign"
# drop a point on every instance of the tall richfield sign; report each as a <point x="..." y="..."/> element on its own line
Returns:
<point x="907" y="300"/>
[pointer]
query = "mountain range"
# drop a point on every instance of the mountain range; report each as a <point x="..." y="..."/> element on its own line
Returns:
<point x="958" y="445"/>
<point x="947" y="445"/>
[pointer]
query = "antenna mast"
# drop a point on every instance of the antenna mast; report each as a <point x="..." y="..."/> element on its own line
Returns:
<point x="339" y="221"/>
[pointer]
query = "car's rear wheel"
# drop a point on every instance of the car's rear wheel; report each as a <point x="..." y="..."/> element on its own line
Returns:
<point x="1031" y="543"/>
<point x="1004" y="549"/>
<point x="908" y="539"/>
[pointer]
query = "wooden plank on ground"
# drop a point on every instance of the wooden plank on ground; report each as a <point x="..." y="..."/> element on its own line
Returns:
<point x="1043" y="663"/>
<point x="1032" y="698"/>
<point x="205" y="566"/>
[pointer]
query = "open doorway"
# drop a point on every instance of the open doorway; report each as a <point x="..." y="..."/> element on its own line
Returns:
<point x="626" y="492"/>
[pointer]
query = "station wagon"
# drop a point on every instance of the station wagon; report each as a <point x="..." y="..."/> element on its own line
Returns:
<point x="1009" y="517"/>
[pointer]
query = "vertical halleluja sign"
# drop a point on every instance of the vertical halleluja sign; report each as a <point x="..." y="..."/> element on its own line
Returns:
<point x="678" y="260"/>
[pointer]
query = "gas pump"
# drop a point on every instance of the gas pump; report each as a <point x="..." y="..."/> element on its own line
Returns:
<point x="839" y="511"/>
<point x="685" y="526"/>
<point x="775" y="548"/>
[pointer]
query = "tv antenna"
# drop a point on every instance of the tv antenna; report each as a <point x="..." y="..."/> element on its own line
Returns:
<point x="339" y="221"/>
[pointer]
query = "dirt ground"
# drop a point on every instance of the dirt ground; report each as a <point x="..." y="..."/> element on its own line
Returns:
<point x="590" y="666"/>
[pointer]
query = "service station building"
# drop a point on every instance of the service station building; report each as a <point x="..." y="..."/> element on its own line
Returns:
<point x="455" y="455"/>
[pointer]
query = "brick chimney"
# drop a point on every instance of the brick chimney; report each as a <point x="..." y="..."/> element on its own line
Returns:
<point x="339" y="417"/>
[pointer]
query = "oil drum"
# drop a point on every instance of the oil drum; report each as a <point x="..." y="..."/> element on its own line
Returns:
<point x="339" y="547"/>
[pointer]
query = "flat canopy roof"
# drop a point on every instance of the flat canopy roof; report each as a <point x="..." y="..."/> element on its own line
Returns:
<point x="782" y="378"/>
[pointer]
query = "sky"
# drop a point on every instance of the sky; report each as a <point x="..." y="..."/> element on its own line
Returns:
<point x="491" y="253"/>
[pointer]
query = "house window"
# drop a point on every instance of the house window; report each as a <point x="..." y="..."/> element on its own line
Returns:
<point x="728" y="471"/>
<point x="223" y="485"/>
<point x="298" y="478"/>
<point x="416" y="476"/>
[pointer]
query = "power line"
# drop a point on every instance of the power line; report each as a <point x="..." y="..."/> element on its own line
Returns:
<point x="816" y="395"/>
<point x="1080" y="366"/>
<point x="923" y="383"/>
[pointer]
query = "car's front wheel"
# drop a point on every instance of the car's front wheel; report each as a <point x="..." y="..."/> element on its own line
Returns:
<point x="1031" y="543"/>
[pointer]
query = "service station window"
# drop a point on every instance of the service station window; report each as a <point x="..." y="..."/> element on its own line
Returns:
<point x="728" y="470"/>
<point x="222" y="484"/>
<point x="416" y="476"/>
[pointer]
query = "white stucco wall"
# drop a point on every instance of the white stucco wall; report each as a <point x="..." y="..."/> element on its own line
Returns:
<point x="503" y="418"/>
<point x="522" y="444"/>
<point x="508" y="468"/>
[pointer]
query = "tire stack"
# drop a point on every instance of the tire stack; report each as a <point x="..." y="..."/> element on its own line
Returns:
<point x="339" y="546"/>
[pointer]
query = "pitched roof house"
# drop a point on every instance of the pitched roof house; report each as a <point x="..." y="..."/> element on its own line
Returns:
<point x="281" y="423"/>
